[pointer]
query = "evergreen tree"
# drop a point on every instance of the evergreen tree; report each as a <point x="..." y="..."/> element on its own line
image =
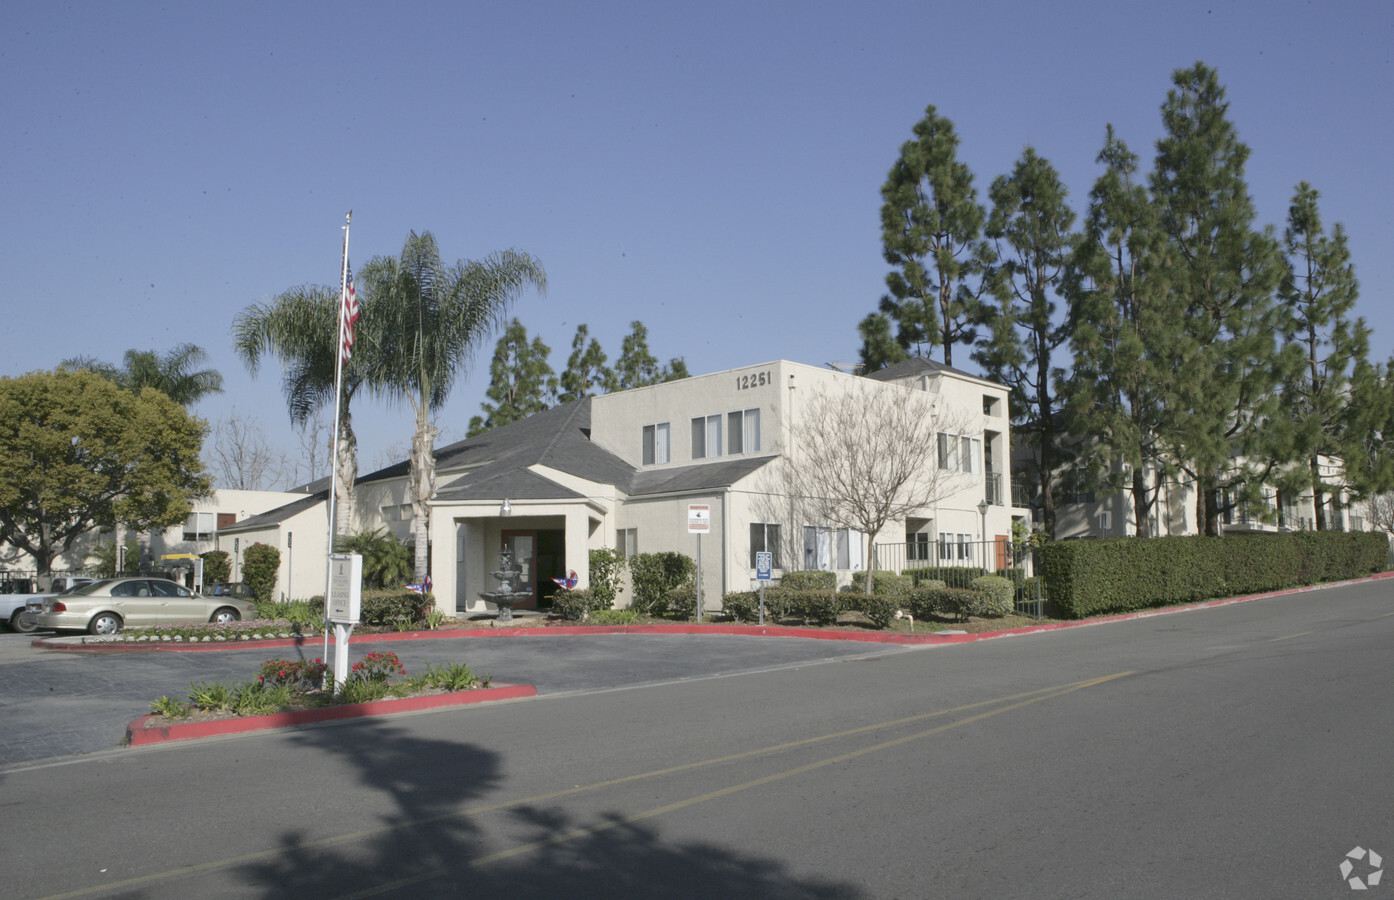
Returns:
<point x="1224" y="426"/>
<point x="586" y="373"/>
<point x="521" y="380"/>
<point x="637" y="367"/>
<point x="1122" y="322"/>
<point x="931" y="223"/>
<point x="879" y="347"/>
<point x="1030" y="228"/>
<point x="1318" y="292"/>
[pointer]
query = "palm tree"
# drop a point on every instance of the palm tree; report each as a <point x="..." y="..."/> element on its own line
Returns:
<point x="386" y="560"/>
<point x="300" y="328"/>
<point x="172" y="373"/>
<point x="431" y="319"/>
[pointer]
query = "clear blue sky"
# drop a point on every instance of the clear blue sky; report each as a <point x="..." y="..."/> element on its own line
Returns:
<point x="710" y="169"/>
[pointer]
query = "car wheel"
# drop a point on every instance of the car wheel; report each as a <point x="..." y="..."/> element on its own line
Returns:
<point x="104" y="623"/>
<point x="22" y="622"/>
<point x="225" y="616"/>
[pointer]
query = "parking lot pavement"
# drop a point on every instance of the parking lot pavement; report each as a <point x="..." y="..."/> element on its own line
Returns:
<point x="61" y="703"/>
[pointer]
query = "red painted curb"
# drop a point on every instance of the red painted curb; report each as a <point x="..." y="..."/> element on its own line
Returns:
<point x="139" y="733"/>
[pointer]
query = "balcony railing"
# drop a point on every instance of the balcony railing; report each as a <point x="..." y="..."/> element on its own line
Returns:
<point x="992" y="489"/>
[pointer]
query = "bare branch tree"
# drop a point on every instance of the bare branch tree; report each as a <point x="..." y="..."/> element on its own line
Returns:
<point x="316" y="439"/>
<point x="242" y="459"/>
<point x="865" y="457"/>
<point x="1380" y="512"/>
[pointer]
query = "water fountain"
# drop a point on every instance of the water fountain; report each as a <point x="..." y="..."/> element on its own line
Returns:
<point x="506" y="596"/>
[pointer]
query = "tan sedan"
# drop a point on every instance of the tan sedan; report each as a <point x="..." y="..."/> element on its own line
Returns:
<point x="107" y="606"/>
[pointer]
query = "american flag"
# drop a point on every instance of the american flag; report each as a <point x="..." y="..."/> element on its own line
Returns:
<point x="348" y="315"/>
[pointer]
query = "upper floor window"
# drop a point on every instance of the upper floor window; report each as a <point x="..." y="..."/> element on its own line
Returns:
<point x="743" y="431"/>
<point x="992" y="406"/>
<point x="706" y="437"/>
<point x="655" y="444"/>
<point x="960" y="453"/>
<point x="199" y="526"/>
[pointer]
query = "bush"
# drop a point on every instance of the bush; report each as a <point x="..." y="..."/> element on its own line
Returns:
<point x="260" y="563"/>
<point x="893" y="587"/>
<point x="681" y="602"/>
<point x="387" y="560"/>
<point x="616" y="617"/>
<point x="959" y="603"/>
<point x="653" y="575"/>
<point x="606" y="570"/>
<point x="879" y="609"/>
<point x="577" y="604"/>
<point x="216" y="567"/>
<point x="813" y="607"/>
<point x="393" y="606"/>
<point x="813" y="580"/>
<point x="953" y="576"/>
<point x="742" y="606"/>
<point x="1000" y="595"/>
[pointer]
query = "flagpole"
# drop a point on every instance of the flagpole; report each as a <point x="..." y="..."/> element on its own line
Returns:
<point x="334" y="457"/>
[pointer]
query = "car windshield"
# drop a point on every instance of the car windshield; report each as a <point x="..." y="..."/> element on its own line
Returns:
<point x="89" y="587"/>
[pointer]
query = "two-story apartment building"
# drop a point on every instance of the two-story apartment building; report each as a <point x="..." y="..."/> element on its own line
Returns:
<point x="621" y="470"/>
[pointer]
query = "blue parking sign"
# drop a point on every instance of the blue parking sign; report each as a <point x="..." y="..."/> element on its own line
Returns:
<point x="764" y="562"/>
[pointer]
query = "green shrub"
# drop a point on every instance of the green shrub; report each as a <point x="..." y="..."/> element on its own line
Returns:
<point x="890" y="585"/>
<point x="217" y="568"/>
<point x="811" y="580"/>
<point x="391" y="606"/>
<point x="387" y="560"/>
<point x="577" y="604"/>
<point x="742" y="606"/>
<point x="260" y="563"/>
<point x="681" y="602"/>
<point x="952" y="576"/>
<point x="879" y="609"/>
<point x="958" y="603"/>
<point x="606" y="570"/>
<point x="814" y="607"/>
<point x="653" y="575"/>
<point x="1000" y="595"/>
<point x="616" y="617"/>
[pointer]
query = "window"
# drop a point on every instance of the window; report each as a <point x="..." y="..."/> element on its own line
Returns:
<point x="960" y="453"/>
<point x="743" y="431"/>
<point x="1105" y="523"/>
<point x="828" y="548"/>
<point x="199" y="526"/>
<point x="706" y="437"/>
<point x="948" y="451"/>
<point x="954" y="548"/>
<point x="917" y="547"/>
<point x="990" y="405"/>
<point x="627" y="542"/>
<point x="655" y="444"/>
<point x="764" y="538"/>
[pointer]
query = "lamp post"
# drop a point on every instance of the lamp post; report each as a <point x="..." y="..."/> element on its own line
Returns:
<point x="982" y="510"/>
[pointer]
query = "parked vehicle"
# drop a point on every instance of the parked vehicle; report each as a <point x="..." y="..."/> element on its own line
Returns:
<point x="107" y="606"/>
<point x="16" y="610"/>
<point x="237" y="589"/>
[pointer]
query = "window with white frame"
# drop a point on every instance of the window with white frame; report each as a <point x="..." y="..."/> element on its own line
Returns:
<point x="1105" y="522"/>
<point x="764" y="538"/>
<point x="627" y="542"/>
<point x="960" y="453"/>
<point x="917" y="547"/>
<point x="743" y="431"/>
<point x="826" y="548"/>
<point x="200" y="526"/>
<point x="706" y="437"/>
<point x="655" y="444"/>
<point x="955" y="547"/>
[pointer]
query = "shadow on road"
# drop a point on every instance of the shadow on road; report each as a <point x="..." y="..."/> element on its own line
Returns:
<point x="425" y="848"/>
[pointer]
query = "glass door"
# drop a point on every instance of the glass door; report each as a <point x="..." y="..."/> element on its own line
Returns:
<point x="523" y="546"/>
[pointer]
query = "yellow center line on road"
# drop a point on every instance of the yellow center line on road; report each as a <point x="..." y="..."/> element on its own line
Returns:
<point x="1290" y="636"/>
<point x="1013" y="701"/>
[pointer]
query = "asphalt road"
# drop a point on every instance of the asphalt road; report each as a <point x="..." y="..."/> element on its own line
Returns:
<point x="1241" y="751"/>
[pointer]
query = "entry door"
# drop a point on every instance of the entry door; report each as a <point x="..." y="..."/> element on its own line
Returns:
<point x="523" y="546"/>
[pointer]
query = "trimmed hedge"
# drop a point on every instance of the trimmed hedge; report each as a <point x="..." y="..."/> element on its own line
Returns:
<point x="946" y="601"/>
<point x="653" y="575"/>
<point x="389" y="606"/>
<point x="1089" y="578"/>
<point x="999" y="592"/>
<point x="955" y="576"/>
<point x="810" y="580"/>
<point x="579" y="603"/>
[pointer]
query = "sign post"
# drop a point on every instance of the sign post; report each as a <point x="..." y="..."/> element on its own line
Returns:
<point x="764" y="564"/>
<point x="699" y="522"/>
<point x="343" y="606"/>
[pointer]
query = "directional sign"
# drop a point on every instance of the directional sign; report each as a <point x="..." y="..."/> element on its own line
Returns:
<point x="699" y="518"/>
<point x="764" y="563"/>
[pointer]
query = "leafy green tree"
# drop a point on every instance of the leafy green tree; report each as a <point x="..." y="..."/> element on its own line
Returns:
<point x="386" y="560"/>
<point x="1121" y="324"/>
<point x="1225" y="428"/>
<point x="299" y="328"/>
<point x="1030" y="228"/>
<point x="637" y="367"/>
<point x="879" y="347"/>
<point x="432" y="319"/>
<point x="217" y="568"/>
<point x="586" y="373"/>
<point x="107" y="561"/>
<point x="261" y="564"/>
<point x="173" y="373"/>
<point x="1318" y="292"/>
<point x="521" y="380"/>
<point x="931" y="222"/>
<point x="77" y="452"/>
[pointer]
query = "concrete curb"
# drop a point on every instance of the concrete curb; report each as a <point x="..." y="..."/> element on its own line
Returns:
<point x="818" y="634"/>
<point x="141" y="733"/>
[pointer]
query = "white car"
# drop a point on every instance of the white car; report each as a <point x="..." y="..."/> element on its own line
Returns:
<point x="12" y="606"/>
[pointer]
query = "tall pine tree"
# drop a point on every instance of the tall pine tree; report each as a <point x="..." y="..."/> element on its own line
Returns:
<point x="637" y="367"/>
<point x="931" y="223"/>
<point x="1030" y="229"/>
<point x="586" y="373"/>
<point x="521" y="380"/>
